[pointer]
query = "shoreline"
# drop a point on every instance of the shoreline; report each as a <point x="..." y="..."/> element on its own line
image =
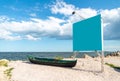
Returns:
<point x="23" y="55"/>
<point x="87" y="69"/>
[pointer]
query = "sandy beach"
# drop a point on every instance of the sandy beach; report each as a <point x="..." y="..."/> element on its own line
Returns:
<point x="87" y="69"/>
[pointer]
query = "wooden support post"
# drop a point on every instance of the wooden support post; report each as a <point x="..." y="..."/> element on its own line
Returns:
<point x="102" y="61"/>
<point x="75" y="54"/>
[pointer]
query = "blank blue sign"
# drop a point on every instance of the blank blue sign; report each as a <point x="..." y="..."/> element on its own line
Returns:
<point x="87" y="34"/>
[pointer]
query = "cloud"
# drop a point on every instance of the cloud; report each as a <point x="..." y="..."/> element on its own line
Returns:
<point x="29" y="37"/>
<point x="33" y="29"/>
<point x="87" y="12"/>
<point x="110" y="18"/>
<point x="6" y="35"/>
<point x="62" y="8"/>
<point x="4" y="18"/>
<point x="111" y="22"/>
<point x="53" y="27"/>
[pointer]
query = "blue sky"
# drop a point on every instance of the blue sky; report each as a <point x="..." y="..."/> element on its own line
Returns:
<point x="46" y="25"/>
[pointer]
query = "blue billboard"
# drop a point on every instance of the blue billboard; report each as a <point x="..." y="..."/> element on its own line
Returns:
<point x="87" y="34"/>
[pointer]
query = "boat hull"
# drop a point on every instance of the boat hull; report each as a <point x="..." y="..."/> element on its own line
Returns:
<point x="52" y="61"/>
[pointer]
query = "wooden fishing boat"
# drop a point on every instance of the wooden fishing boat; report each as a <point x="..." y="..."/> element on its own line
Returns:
<point x="52" y="61"/>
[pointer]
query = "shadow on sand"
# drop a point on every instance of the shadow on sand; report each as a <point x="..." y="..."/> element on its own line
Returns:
<point x="76" y="69"/>
<point x="92" y="71"/>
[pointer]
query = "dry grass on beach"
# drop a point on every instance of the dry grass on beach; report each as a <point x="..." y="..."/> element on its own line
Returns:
<point x="87" y="69"/>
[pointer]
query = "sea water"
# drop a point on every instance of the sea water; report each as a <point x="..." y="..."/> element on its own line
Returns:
<point x="23" y="55"/>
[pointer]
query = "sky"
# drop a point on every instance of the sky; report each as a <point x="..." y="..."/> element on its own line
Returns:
<point x="46" y="25"/>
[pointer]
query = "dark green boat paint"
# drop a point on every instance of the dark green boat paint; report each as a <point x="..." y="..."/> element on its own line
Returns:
<point x="52" y="61"/>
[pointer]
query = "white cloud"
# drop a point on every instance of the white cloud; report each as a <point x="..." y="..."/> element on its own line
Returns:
<point x="33" y="29"/>
<point x="87" y="12"/>
<point x="4" y="34"/>
<point x="67" y="9"/>
<point x="4" y="18"/>
<point x="62" y="8"/>
<point x="29" y="37"/>
<point x="110" y="18"/>
<point x="111" y="22"/>
<point x="56" y="20"/>
<point x="53" y="27"/>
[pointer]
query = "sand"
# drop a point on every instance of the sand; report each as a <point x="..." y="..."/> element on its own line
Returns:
<point x="87" y="69"/>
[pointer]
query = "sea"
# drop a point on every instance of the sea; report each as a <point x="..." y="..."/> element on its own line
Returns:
<point x="23" y="55"/>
